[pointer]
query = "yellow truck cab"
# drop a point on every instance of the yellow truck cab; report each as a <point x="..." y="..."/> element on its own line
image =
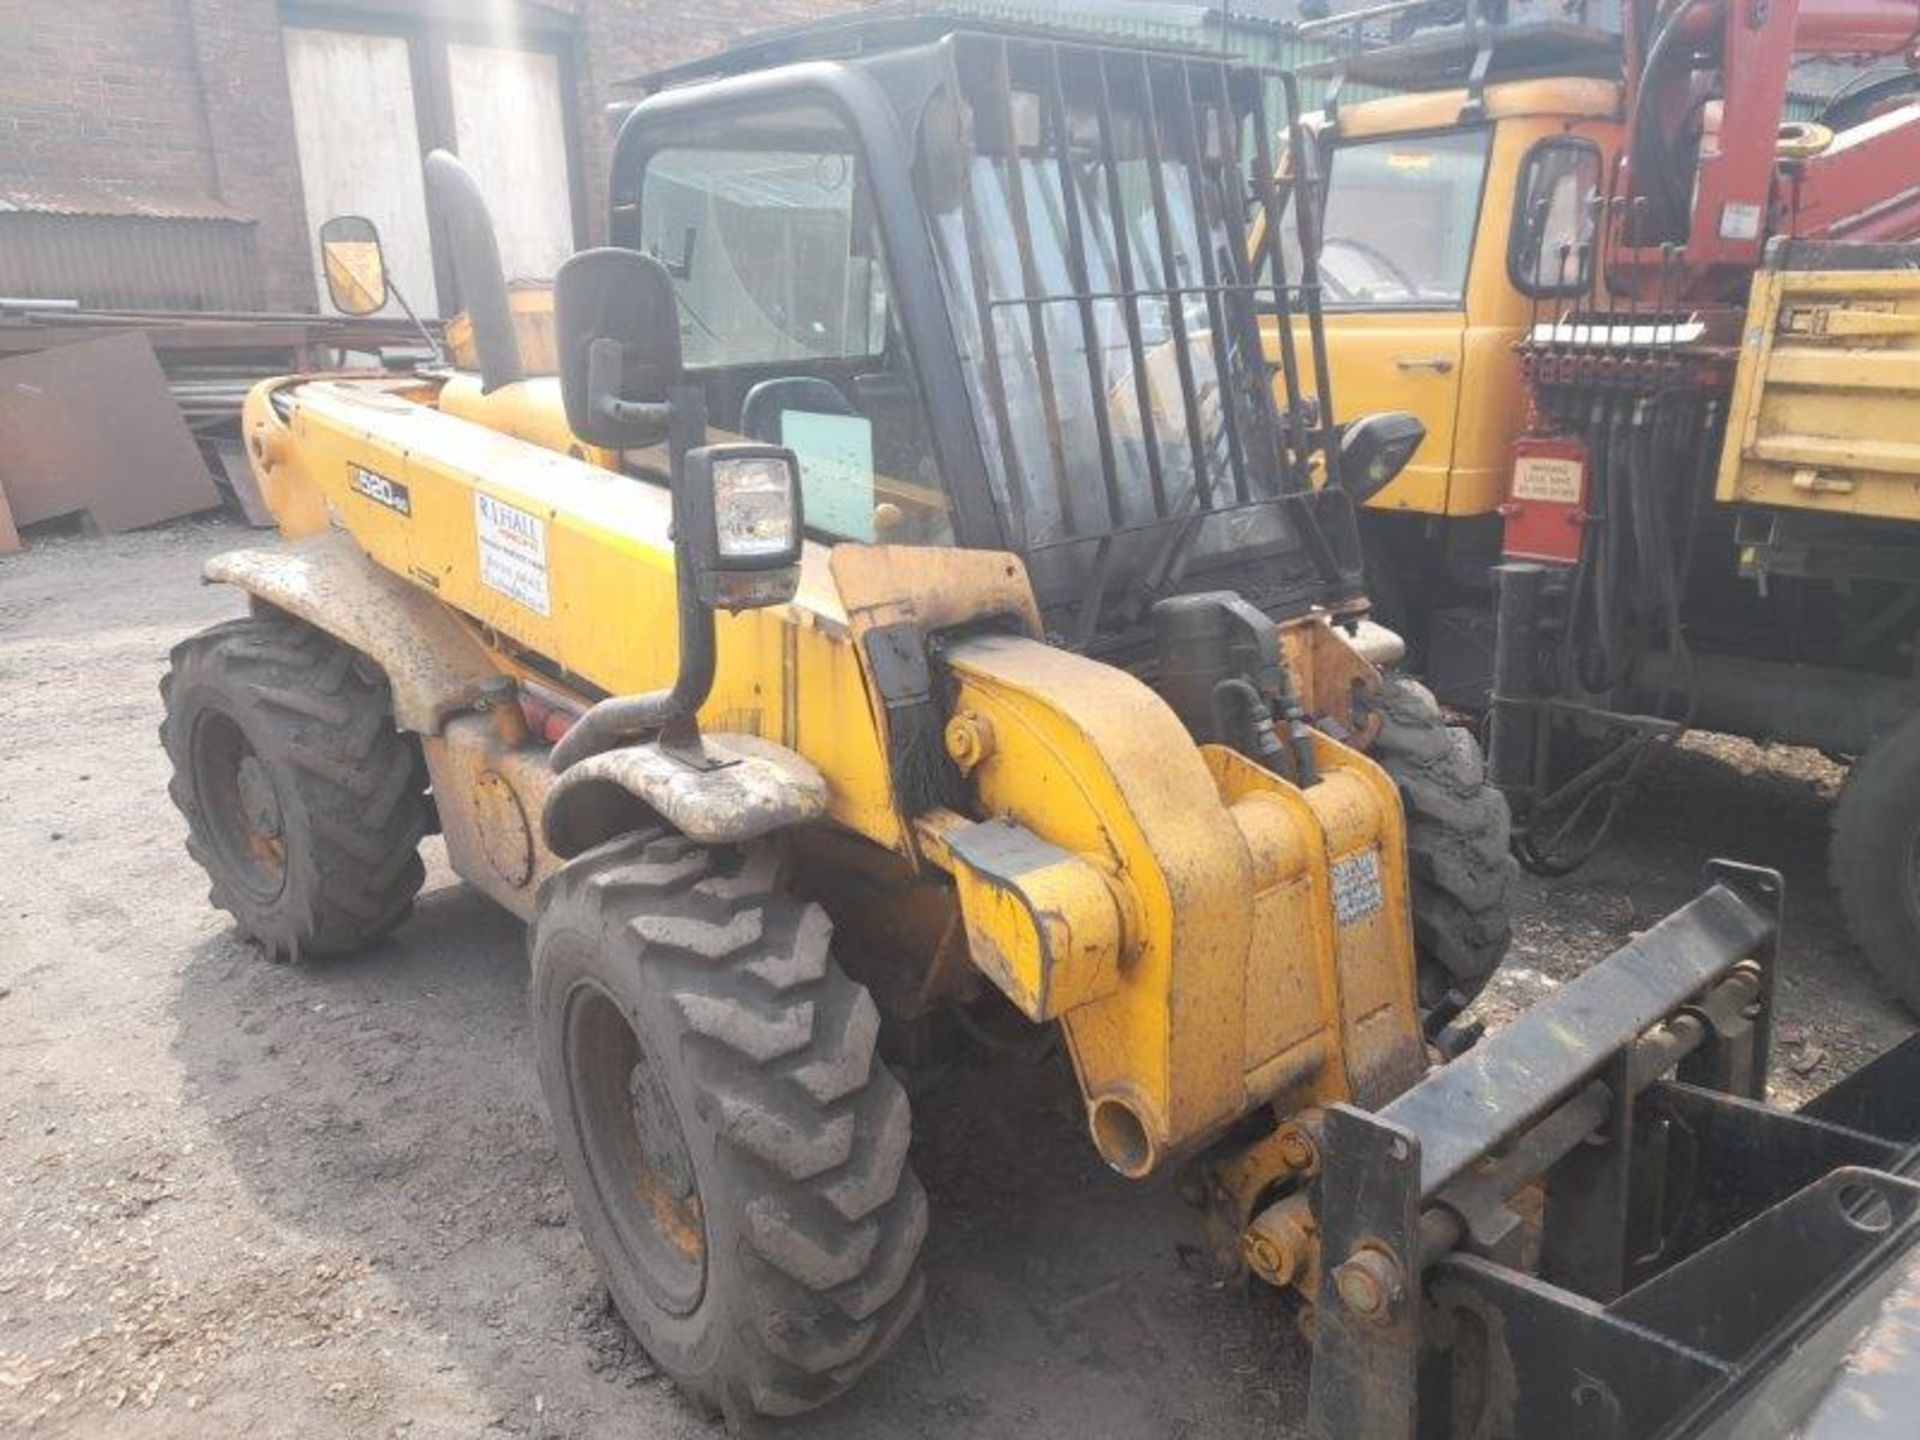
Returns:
<point x="1449" y="222"/>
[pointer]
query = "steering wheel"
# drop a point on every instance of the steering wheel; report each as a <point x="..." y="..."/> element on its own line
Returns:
<point x="1371" y="253"/>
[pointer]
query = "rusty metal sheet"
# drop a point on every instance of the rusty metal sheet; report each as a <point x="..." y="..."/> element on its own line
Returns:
<point x="237" y="470"/>
<point x="28" y="196"/>
<point x="92" y="427"/>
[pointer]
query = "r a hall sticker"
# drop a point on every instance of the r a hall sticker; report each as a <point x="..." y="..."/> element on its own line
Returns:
<point x="513" y="552"/>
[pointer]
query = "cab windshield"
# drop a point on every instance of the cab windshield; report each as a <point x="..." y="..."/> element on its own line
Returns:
<point x="1089" y="225"/>
<point x="1400" y="219"/>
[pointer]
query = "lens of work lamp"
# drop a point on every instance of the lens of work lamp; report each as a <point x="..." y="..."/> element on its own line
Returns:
<point x="753" y="507"/>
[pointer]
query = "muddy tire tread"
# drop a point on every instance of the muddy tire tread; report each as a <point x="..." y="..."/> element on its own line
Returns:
<point x="1873" y="832"/>
<point x="1462" y="873"/>
<point x="811" y="1130"/>
<point x="323" y="714"/>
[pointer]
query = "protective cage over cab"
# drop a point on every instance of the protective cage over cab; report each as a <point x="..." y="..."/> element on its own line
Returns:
<point x="995" y="289"/>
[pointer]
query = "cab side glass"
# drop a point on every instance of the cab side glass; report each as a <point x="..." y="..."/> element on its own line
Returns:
<point x="1551" y="246"/>
<point x="766" y="223"/>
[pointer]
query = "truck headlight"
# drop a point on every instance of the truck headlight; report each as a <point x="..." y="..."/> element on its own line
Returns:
<point x="737" y="511"/>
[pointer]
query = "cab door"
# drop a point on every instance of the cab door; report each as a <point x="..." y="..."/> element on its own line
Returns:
<point x="1398" y="231"/>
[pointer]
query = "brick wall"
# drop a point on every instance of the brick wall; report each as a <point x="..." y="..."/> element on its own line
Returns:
<point x="622" y="39"/>
<point x="101" y="90"/>
<point x="240" y="73"/>
<point x="187" y="99"/>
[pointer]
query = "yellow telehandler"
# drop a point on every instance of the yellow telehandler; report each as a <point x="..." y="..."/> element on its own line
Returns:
<point x="910" y="610"/>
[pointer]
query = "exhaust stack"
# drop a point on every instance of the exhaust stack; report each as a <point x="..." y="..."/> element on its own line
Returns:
<point x="454" y="198"/>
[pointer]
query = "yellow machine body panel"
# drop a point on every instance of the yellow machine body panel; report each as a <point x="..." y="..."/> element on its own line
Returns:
<point x="529" y="410"/>
<point x="1265" y="945"/>
<point x="1825" y="411"/>
<point x="566" y="561"/>
<point x="530" y="308"/>
<point x="1210" y="937"/>
<point x="1452" y="366"/>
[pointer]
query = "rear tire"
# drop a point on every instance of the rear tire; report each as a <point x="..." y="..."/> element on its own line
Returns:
<point x="304" y="805"/>
<point x="736" y="1152"/>
<point x="1461" y="870"/>
<point x="1874" y="859"/>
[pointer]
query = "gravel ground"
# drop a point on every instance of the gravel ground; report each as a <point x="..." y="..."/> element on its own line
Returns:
<point x="240" y="1196"/>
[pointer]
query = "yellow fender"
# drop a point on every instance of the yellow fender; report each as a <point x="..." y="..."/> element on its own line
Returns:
<point x="754" y="788"/>
<point x="433" y="662"/>
<point x="439" y="670"/>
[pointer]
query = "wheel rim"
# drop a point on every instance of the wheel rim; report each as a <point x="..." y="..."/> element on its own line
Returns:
<point x="636" y="1151"/>
<point x="241" y="806"/>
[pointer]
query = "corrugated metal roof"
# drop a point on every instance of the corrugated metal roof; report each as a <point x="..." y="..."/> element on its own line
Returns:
<point x="144" y="262"/>
<point x="1822" y="79"/>
<point x="33" y="196"/>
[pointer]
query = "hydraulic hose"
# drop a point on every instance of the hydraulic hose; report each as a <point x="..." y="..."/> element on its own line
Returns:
<point x="1651" y="160"/>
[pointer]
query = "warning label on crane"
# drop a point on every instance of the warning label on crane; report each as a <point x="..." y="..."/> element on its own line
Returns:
<point x="1356" y="887"/>
<point x="513" y="552"/>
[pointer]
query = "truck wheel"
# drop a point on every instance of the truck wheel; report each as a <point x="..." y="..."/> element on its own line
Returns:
<point x="1462" y="874"/>
<point x="303" y="804"/>
<point x="1875" y="859"/>
<point x="736" y="1153"/>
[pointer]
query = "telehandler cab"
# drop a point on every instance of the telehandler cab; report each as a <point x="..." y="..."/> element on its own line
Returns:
<point x="910" y="601"/>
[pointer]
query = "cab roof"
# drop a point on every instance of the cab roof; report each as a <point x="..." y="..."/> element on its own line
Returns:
<point x="878" y="30"/>
<point x="1568" y="97"/>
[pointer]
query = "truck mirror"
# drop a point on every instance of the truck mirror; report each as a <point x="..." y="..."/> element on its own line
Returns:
<point x="617" y="324"/>
<point x="737" y="512"/>
<point x="354" y="264"/>
<point x="1374" y="449"/>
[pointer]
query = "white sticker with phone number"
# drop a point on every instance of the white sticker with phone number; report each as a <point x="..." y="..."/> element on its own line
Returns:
<point x="513" y="552"/>
<point x="1356" y="887"/>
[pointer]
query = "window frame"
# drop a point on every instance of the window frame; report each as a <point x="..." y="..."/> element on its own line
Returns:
<point x="427" y="34"/>
<point x="861" y="176"/>
<point x="1578" y="283"/>
<point x="923" y="325"/>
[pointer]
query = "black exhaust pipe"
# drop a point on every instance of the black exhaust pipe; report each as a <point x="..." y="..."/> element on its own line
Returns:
<point x="1513" y="734"/>
<point x="453" y="195"/>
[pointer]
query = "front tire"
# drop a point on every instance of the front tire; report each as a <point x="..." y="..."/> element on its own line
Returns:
<point x="1462" y="873"/>
<point x="1875" y="859"/>
<point x="736" y="1152"/>
<point x="304" y="805"/>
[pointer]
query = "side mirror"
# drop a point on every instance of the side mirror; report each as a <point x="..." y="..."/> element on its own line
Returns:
<point x="617" y="324"/>
<point x="738" y="524"/>
<point x="354" y="264"/>
<point x="1374" y="449"/>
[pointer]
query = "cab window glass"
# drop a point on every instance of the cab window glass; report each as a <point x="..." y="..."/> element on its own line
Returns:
<point x="1400" y="218"/>
<point x="1551" y="250"/>
<point x="765" y="220"/>
<point x="770" y="259"/>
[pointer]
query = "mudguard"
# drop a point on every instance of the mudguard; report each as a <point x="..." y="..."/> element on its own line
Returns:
<point x="437" y="668"/>
<point x="750" y="788"/>
<point x="433" y="663"/>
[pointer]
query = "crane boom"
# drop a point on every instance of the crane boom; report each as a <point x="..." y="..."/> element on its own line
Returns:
<point x="1707" y="182"/>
